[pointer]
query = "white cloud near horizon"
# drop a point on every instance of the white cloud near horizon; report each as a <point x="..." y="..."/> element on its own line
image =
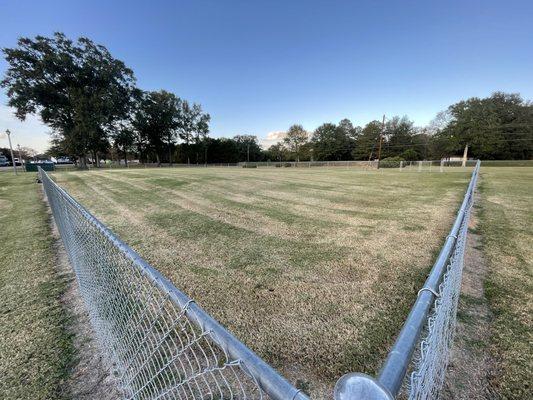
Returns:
<point x="272" y="138"/>
<point x="28" y="133"/>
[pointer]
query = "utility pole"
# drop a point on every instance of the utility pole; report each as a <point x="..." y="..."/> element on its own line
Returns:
<point x="20" y="157"/>
<point x="381" y="138"/>
<point x="8" y="133"/>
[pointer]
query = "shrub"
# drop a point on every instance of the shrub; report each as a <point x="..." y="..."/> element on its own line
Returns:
<point x="390" y="162"/>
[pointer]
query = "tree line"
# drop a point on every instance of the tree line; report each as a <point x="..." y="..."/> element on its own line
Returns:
<point x="499" y="127"/>
<point x="92" y="103"/>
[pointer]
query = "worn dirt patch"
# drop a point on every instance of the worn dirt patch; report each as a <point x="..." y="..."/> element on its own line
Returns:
<point x="471" y="365"/>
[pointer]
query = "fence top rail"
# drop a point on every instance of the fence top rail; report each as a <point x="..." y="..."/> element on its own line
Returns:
<point x="273" y="384"/>
<point x="390" y="378"/>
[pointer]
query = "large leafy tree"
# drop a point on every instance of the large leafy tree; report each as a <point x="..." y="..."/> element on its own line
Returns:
<point x="367" y="142"/>
<point x="193" y="126"/>
<point x="397" y="136"/>
<point x="77" y="88"/>
<point x="222" y="150"/>
<point x="124" y="140"/>
<point x="248" y="148"/>
<point x="332" y="142"/>
<point x="496" y="127"/>
<point x="296" y="137"/>
<point x="156" y="120"/>
<point x="346" y="126"/>
<point x="277" y="152"/>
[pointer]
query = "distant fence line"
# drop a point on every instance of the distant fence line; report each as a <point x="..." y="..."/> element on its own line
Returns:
<point x="161" y="343"/>
<point x="422" y="348"/>
<point x="422" y="165"/>
<point x="164" y="346"/>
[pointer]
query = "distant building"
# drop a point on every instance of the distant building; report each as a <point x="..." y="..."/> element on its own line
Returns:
<point x="454" y="158"/>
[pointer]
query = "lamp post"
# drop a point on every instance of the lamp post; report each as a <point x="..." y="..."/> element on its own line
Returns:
<point x="8" y="133"/>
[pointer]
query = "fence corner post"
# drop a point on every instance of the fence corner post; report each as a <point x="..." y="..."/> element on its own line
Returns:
<point x="357" y="386"/>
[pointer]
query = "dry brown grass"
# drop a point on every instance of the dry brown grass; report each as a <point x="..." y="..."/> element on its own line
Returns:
<point x="314" y="269"/>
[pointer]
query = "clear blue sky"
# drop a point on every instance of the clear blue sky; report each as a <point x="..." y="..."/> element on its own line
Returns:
<point x="259" y="66"/>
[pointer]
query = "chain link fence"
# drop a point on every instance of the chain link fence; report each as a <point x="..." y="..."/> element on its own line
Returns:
<point x="164" y="346"/>
<point x="159" y="342"/>
<point x="431" y="360"/>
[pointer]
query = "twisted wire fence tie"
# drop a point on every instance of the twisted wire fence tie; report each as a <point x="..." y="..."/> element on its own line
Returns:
<point x="429" y="290"/>
<point x="186" y="306"/>
<point x="296" y="393"/>
<point x="453" y="236"/>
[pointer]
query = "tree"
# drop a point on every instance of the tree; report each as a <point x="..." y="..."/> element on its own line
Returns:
<point x="346" y="126"/>
<point x="223" y="150"/>
<point x="295" y="138"/>
<point x="367" y="142"/>
<point x="332" y="142"/>
<point x="78" y="89"/>
<point x="201" y="130"/>
<point x="397" y="136"/>
<point x="124" y="140"/>
<point x="156" y="120"/>
<point x="277" y="152"/>
<point x="248" y="148"/>
<point x="193" y="126"/>
<point x="496" y="127"/>
<point x="57" y="148"/>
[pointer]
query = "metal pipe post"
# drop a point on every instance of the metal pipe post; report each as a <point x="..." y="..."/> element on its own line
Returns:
<point x="8" y="133"/>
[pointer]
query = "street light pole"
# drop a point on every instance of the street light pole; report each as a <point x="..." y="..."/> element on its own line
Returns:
<point x="8" y="133"/>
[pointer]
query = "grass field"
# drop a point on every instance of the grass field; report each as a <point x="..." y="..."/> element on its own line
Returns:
<point x="314" y="269"/>
<point x="35" y="347"/>
<point x="507" y="232"/>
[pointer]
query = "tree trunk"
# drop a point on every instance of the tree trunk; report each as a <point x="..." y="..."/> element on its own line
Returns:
<point x="139" y="149"/>
<point x="157" y="158"/>
<point x="82" y="162"/>
<point x="126" y="158"/>
<point x="170" y="154"/>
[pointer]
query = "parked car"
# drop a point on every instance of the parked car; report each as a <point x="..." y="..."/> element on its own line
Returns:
<point x="63" y="160"/>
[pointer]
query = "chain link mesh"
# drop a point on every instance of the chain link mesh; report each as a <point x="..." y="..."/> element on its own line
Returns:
<point x="431" y="360"/>
<point x="157" y="350"/>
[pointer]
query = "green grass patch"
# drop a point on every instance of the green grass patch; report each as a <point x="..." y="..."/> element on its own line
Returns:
<point x="506" y="225"/>
<point x="35" y="347"/>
